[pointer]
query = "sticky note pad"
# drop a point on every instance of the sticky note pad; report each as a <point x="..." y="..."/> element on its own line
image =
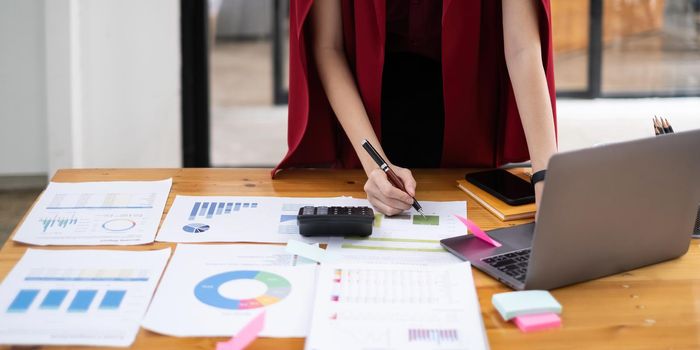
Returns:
<point x="312" y="252"/>
<point x="514" y="304"/>
<point x="537" y="322"/>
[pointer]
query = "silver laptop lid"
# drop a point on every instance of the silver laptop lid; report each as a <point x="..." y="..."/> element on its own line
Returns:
<point x="614" y="208"/>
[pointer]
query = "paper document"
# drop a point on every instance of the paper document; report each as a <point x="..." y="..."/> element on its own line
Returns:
<point x="406" y="238"/>
<point x="96" y="213"/>
<point x="215" y="290"/>
<point x="193" y="219"/>
<point x="396" y="307"/>
<point x="78" y="297"/>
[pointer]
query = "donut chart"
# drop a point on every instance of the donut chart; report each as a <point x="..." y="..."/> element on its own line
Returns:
<point x="207" y="291"/>
<point x="118" y="225"/>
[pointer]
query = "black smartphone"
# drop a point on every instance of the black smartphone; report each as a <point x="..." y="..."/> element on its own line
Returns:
<point x="504" y="186"/>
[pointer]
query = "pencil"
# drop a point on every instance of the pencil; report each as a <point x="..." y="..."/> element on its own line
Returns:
<point x="656" y="128"/>
<point x="664" y="124"/>
<point x="657" y="124"/>
<point x="668" y="124"/>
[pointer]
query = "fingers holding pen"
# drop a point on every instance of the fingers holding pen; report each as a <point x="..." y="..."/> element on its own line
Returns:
<point x="384" y="196"/>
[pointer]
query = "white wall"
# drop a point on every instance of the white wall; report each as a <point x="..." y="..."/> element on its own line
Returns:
<point x="88" y="83"/>
<point x="23" y="147"/>
<point x="130" y="61"/>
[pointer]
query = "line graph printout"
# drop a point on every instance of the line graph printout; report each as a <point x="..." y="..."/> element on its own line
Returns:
<point x="96" y="213"/>
<point x="396" y="307"/>
<point x="196" y="219"/>
<point x="78" y="297"/>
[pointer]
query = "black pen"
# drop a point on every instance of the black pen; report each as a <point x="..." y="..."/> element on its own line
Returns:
<point x="391" y="175"/>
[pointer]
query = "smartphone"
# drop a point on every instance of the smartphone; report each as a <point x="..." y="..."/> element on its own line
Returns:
<point x="504" y="186"/>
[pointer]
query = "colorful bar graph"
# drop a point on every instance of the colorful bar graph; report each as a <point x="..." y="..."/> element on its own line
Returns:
<point x="435" y="336"/>
<point x="203" y="209"/>
<point x="53" y="299"/>
<point x="112" y="299"/>
<point x="211" y="209"/>
<point x="58" y="221"/>
<point x="23" y="300"/>
<point x="82" y="300"/>
<point x="195" y="210"/>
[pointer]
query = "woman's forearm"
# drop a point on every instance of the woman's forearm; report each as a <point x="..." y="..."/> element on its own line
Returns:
<point x="338" y="82"/>
<point x="524" y="61"/>
<point x="346" y="102"/>
<point x="532" y="98"/>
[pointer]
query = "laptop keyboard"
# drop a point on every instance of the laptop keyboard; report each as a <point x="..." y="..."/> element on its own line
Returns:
<point x="514" y="264"/>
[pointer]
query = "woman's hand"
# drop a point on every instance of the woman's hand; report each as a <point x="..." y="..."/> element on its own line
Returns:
<point x="386" y="198"/>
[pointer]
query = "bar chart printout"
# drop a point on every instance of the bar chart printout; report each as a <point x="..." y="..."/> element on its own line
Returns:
<point x="396" y="307"/>
<point x="95" y="213"/>
<point x="197" y="219"/>
<point x="78" y="297"/>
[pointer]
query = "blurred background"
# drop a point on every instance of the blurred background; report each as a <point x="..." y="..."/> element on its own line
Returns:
<point x="172" y="83"/>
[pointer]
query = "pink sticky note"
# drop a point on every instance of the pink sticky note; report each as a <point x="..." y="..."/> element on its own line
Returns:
<point x="473" y="228"/>
<point x="245" y="336"/>
<point x="537" y="322"/>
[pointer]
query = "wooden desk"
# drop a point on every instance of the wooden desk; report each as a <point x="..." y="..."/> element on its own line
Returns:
<point x="650" y="308"/>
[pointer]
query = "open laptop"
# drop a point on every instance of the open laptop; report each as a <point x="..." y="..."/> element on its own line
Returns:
<point x="604" y="210"/>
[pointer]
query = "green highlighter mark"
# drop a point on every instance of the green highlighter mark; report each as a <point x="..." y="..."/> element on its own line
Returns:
<point x="378" y="220"/>
<point x="433" y="220"/>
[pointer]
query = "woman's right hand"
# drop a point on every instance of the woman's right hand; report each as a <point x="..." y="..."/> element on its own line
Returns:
<point x="386" y="198"/>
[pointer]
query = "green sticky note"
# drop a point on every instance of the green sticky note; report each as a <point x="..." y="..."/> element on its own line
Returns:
<point x="514" y="304"/>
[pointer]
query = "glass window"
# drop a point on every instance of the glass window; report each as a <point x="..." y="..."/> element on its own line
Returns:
<point x="570" y="23"/>
<point x="651" y="47"/>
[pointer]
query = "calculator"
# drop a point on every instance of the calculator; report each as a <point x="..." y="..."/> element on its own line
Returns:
<point x="335" y="221"/>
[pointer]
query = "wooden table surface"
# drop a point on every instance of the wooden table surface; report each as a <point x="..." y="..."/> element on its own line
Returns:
<point x="656" y="307"/>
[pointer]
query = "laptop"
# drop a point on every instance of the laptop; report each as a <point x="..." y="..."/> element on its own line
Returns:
<point x="604" y="210"/>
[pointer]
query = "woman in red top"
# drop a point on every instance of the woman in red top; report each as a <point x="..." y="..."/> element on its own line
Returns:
<point x="451" y="83"/>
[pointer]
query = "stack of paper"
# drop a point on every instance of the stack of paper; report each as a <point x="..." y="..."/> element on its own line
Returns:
<point x="372" y="292"/>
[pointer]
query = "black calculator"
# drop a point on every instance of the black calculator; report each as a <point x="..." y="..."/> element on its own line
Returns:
<point x="335" y="221"/>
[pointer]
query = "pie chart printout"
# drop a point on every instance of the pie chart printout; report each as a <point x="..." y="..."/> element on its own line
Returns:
<point x="276" y="288"/>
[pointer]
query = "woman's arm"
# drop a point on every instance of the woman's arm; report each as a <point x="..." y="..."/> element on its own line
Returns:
<point x="345" y="100"/>
<point x="523" y="53"/>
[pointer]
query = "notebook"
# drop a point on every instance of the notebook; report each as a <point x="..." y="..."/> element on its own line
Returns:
<point x="497" y="207"/>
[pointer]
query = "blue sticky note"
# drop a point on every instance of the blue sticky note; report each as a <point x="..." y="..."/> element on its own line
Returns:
<point x="514" y="304"/>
